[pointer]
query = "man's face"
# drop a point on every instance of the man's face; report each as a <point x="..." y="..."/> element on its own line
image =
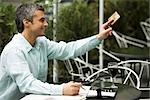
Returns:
<point x="39" y="24"/>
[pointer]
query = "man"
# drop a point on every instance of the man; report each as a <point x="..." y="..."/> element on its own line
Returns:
<point x="24" y="60"/>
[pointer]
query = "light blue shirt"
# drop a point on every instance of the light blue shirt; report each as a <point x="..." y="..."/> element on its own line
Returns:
<point x="23" y="68"/>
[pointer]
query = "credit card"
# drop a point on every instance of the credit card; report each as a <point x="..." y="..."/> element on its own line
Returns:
<point x="115" y="16"/>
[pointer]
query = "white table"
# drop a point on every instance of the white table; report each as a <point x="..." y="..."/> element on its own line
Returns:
<point x="48" y="97"/>
<point x="82" y="96"/>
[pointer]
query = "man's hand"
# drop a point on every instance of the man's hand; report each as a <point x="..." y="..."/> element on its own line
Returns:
<point x="71" y="88"/>
<point x="105" y="30"/>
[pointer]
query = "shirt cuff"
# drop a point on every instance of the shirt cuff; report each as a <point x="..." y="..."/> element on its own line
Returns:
<point x="56" y="90"/>
<point x="94" y="41"/>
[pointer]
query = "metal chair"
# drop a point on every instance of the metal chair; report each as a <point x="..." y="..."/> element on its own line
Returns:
<point x="133" y="64"/>
<point x="129" y="76"/>
<point x="78" y="67"/>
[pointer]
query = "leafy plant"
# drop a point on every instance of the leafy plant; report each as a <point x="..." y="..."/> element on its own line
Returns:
<point x="76" y="21"/>
<point x="7" y="24"/>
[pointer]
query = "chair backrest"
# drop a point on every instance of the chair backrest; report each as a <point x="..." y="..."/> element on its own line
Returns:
<point x="146" y="29"/>
<point x="71" y="69"/>
<point x="140" y="64"/>
<point x="124" y="40"/>
<point x="132" y="68"/>
<point x="129" y="76"/>
<point x="141" y="67"/>
<point x="80" y="68"/>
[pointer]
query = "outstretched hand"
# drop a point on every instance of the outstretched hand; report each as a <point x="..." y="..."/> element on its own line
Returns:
<point x="105" y="30"/>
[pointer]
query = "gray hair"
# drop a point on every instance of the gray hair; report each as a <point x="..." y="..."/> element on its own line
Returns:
<point x="25" y="11"/>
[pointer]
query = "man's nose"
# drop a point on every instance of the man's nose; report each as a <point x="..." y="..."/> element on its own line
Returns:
<point x="46" y="24"/>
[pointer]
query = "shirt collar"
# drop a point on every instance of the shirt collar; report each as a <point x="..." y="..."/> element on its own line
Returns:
<point x="25" y="44"/>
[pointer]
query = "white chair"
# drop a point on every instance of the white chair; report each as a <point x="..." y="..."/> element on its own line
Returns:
<point x="71" y="69"/>
<point x="129" y="77"/>
<point x="142" y="65"/>
<point x="78" y="67"/>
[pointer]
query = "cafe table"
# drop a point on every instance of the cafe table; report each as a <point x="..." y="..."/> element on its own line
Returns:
<point x="123" y="92"/>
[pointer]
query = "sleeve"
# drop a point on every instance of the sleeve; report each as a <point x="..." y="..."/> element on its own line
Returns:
<point x="18" y="69"/>
<point x="72" y="49"/>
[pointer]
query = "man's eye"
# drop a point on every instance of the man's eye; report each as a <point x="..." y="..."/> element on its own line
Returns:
<point x="42" y="20"/>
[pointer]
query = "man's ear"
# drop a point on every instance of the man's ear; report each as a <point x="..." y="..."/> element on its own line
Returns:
<point x="26" y="22"/>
